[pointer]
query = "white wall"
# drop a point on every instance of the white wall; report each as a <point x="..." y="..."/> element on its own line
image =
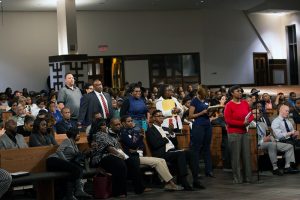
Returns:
<point x="26" y="41"/>
<point x="290" y="20"/>
<point x="224" y="39"/>
<point x="272" y="30"/>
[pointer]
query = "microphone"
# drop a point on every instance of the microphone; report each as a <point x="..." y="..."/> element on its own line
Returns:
<point x="255" y="93"/>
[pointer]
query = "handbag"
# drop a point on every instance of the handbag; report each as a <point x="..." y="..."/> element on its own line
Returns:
<point x="102" y="185"/>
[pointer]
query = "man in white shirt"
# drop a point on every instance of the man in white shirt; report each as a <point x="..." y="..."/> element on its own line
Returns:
<point x="161" y="146"/>
<point x="283" y="131"/>
<point x="95" y="102"/>
<point x="267" y="142"/>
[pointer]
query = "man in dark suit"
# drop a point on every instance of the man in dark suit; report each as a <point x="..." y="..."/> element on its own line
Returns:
<point x="162" y="146"/>
<point x="95" y="102"/>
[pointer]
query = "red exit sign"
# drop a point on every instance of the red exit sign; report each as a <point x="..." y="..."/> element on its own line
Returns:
<point x="103" y="47"/>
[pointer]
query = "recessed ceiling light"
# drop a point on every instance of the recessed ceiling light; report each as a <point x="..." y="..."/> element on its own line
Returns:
<point x="201" y="1"/>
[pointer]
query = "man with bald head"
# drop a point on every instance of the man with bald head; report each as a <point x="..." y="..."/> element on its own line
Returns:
<point x="282" y="127"/>
<point x="70" y="96"/>
<point x="284" y="131"/>
<point x="11" y="139"/>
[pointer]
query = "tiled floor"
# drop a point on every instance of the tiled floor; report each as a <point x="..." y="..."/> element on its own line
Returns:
<point x="272" y="187"/>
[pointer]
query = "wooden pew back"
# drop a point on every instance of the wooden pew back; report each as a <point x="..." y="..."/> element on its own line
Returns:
<point x="215" y="147"/>
<point x="28" y="159"/>
<point x="184" y="138"/>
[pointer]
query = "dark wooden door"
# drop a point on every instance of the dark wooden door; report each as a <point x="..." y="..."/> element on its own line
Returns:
<point x="261" y="69"/>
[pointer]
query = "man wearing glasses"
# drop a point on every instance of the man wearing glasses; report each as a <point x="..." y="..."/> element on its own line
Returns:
<point x="161" y="145"/>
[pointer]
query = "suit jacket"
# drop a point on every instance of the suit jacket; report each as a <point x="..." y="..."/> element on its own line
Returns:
<point x="7" y="143"/>
<point x="91" y="104"/>
<point x="156" y="142"/>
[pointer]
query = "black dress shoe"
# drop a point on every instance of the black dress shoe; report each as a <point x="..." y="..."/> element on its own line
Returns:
<point x="186" y="185"/>
<point x="277" y="172"/>
<point x="188" y="188"/>
<point x="210" y="174"/>
<point x="290" y="170"/>
<point x="198" y="185"/>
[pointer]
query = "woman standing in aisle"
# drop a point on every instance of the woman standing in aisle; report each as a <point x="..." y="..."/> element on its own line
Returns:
<point x="202" y="131"/>
<point x="237" y="117"/>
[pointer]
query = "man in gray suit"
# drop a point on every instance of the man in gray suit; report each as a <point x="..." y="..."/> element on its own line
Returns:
<point x="95" y="102"/>
<point x="267" y="142"/>
<point x="11" y="139"/>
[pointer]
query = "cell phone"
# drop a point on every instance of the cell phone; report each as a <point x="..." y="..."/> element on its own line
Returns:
<point x="144" y="125"/>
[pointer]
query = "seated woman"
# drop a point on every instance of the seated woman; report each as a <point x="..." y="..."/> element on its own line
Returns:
<point x="133" y="145"/>
<point x="53" y="110"/>
<point x="61" y="160"/>
<point x="26" y="129"/>
<point x="40" y="135"/>
<point x="107" y="153"/>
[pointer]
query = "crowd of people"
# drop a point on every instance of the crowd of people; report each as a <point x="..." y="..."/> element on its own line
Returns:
<point x="117" y="123"/>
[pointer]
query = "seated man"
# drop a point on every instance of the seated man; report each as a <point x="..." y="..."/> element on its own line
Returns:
<point x="267" y="142"/>
<point x="132" y="140"/>
<point x="283" y="129"/>
<point x="66" y="123"/>
<point x="115" y="128"/>
<point x="20" y="115"/>
<point x="162" y="147"/>
<point x="11" y="139"/>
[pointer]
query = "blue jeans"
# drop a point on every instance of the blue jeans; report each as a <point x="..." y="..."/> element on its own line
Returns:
<point x="200" y="141"/>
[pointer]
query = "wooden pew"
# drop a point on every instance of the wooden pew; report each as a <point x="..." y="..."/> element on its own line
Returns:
<point x="30" y="160"/>
<point x="183" y="138"/>
<point x="27" y="159"/>
<point x="215" y="147"/>
<point x="61" y="137"/>
<point x="33" y="160"/>
<point x="253" y="148"/>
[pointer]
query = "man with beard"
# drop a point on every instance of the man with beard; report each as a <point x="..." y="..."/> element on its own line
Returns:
<point x="115" y="127"/>
<point x="11" y="139"/>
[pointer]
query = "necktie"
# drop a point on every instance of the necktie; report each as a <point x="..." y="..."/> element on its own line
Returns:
<point x="104" y="105"/>
<point x="286" y="126"/>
